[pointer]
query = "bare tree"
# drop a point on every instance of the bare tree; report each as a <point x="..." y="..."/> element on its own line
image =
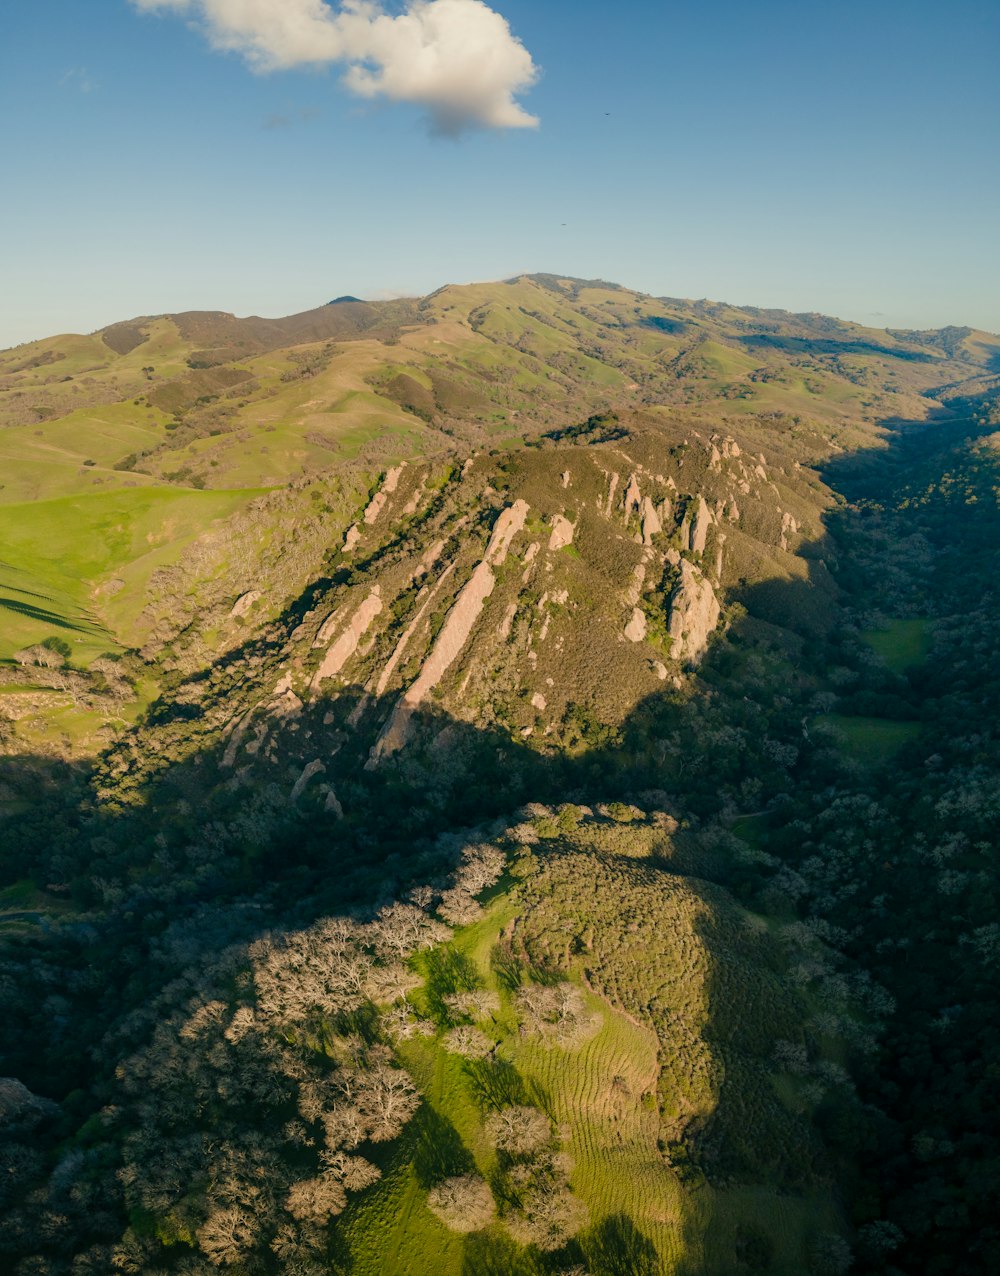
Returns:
<point x="353" y="1171"/>
<point x="317" y="1199"/>
<point x="458" y="907"/>
<point x="549" y="1215"/>
<point x="482" y="866"/>
<point x="463" y="1204"/>
<point x="519" y="1130"/>
<point x="386" y="1099"/>
<point x="480" y="1003"/>
<point x="402" y="1023"/>
<point x="468" y="1041"/>
<point x="227" y="1235"/>
<point x="402" y="929"/>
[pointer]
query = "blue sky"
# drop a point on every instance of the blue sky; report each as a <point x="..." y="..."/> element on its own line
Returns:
<point x="839" y="158"/>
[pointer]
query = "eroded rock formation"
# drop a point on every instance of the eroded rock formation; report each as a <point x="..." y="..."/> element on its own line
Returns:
<point x="694" y="614"/>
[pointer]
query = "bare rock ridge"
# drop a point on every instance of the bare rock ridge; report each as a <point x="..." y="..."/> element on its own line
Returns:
<point x="400" y="649"/>
<point x="347" y="644"/>
<point x="455" y="633"/>
<point x="427" y="614"/>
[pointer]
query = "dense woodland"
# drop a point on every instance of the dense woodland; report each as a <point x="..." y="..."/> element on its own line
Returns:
<point x="210" y="1048"/>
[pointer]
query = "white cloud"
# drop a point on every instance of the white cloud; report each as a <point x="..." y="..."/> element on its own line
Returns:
<point x="456" y="58"/>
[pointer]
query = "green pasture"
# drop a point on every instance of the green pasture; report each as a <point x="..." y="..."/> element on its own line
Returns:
<point x="901" y="644"/>
<point x="870" y="741"/>
<point x="55" y="556"/>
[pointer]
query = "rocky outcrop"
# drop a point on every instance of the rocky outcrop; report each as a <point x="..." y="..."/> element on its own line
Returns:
<point x="347" y="644"/>
<point x="694" y="614"/>
<point x="236" y="731"/>
<point x="413" y="504"/>
<point x="789" y="527"/>
<point x="428" y="559"/>
<point x="612" y="488"/>
<point x="635" y="630"/>
<point x="397" y="655"/>
<point x="454" y="634"/>
<point x="379" y="500"/>
<point x="651" y="524"/>
<point x="313" y="768"/>
<point x="633" y="497"/>
<point x="700" y="524"/>
<point x="507" y="624"/>
<point x="245" y="602"/>
<point x="562" y="533"/>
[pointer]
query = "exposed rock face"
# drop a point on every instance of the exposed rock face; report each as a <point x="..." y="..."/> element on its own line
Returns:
<point x="633" y="497"/>
<point x="285" y="705"/>
<point x="236" y="730"/>
<point x="454" y="634"/>
<point x="413" y="504"/>
<point x="347" y="644"/>
<point x="635" y="630"/>
<point x="407" y="634"/>
<point x="378" y="501"/>
<point x="428" y="559"/>
<point x="699" y="527"/>
<point x="508" y="621"/>
<point x="612" y="488"/>
<point x="562" y="533"/>
<point x="245" y="602"/>
<point x="638" y="580"/>
<point x="694" y="614"/>
<point x="351" y="538"/>
<point x="313" y="768"/>
<point x="650" y="522"/>
<point x="329" y="627"/>
<point x="789" y="526"/>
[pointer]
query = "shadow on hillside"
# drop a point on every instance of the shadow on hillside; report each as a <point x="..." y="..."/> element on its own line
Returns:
<point x="832" y="346"/>
<point x="167" y="862"/>
<point x="33" y="612"/>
